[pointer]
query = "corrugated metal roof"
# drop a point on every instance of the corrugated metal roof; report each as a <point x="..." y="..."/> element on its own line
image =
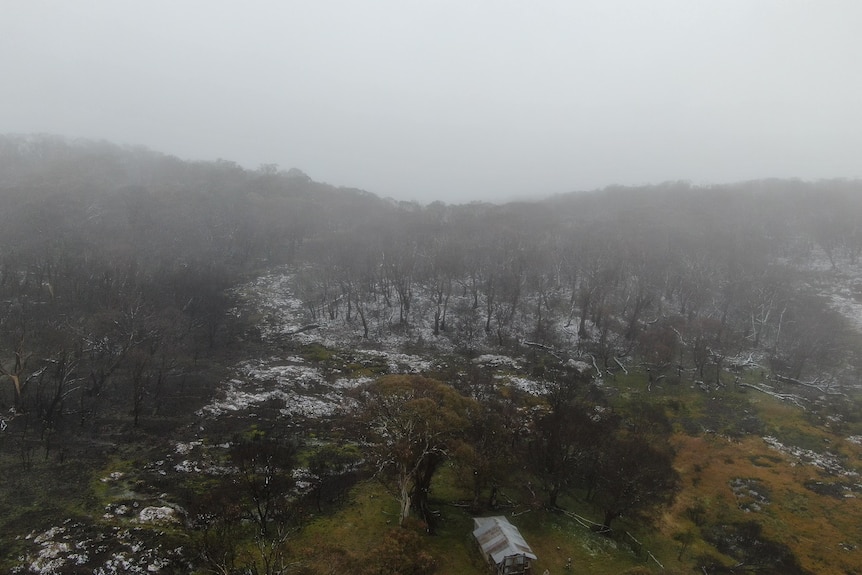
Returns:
<point x="499" y="538"/>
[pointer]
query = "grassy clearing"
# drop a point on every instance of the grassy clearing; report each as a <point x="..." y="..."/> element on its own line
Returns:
<point x="822" y="531"/>
<point x="333" y="541"/>
<point x="731" y="479"/>
<point x="728" y="469"/>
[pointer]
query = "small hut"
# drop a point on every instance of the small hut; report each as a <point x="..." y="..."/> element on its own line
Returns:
<point x="502" y="546"/>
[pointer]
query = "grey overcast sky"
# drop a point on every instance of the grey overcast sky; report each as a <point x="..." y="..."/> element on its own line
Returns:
<point x="456" y="100"/>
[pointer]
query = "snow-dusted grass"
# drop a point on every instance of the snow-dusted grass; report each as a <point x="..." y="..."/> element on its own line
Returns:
<point x="828" y="462"/>
<point x="498" y="361"/>
<point x="300" y="389"/>
<point x="405" y="363"/>
<point x="158" y="514"/>
<point x="840" y="285"/>
<point x="531" y="386"/>
<point x="106" y="551"/>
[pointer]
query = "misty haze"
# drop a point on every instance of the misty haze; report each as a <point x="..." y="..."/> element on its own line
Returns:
<point x="444" y="288"/>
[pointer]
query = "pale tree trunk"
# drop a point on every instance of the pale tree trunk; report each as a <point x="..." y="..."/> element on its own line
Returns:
<point x="404" y="486"/>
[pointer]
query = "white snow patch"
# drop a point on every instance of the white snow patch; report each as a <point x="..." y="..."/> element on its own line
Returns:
<point x="841" y="286"/>
<point x="154" y="514"/>
<point x="498" y="361"/>
<point x="301" y="375"/>
<point x="49" y="535"/>
<point x="304" y="479"/>
<point x="66" y="549"/>
<point x="404" y="363"/>
<point x="187" y="466"/>
<point x="116" y="475"/>
<point x="826" y="461"/>
<point x="186" y="448"/>
<point x="51" y="558"/>
<point x="351" y="383"/>
<point x="526" y="385"/>
<point x="272" y="295"/>
<point x="581" y="366"/>
<point x="302" y="389"/>
<point x="290" y="382"/>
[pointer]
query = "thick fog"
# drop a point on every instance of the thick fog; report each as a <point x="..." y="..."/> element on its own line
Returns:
<point x="448" y="100"/>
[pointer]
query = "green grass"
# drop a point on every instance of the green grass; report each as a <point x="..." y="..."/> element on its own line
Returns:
<point x="316" y="353"/>
<point x="371" y="511"/>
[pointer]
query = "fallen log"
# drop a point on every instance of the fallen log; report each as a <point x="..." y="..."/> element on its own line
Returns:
<point x="812" y="384"/>
<point x="595" y="365"/>
<point x="543" y="347"/>
<point x="782" y="396"/>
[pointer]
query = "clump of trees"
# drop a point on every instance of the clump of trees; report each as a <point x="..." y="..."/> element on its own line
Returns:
<point x="689" y="281"/>
<point x="621" y="463"/>
<point x="571" y="442"/>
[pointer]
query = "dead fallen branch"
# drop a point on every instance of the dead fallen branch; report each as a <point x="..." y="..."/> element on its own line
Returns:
<point x="543" y="347"/>
<point x="782" y="396"/>
<point x="582" y="521"/>
<point x="812" y="384"/>
<point x="595" y="365"/>
<point x="640" y="545"/>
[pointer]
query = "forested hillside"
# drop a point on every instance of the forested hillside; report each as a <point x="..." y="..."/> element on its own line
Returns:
<point x="290" y="377"/>
<point x="116" y="266"/>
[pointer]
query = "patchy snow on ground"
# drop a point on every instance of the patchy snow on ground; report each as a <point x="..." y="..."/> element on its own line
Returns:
<point x="844" y="302"/>
<point x="304" y="480"/>
<point x="237" y="397"/>
<point x="351" y="383"/>
<point x="497" y="361"/>
<point x="828" y="462"/>
<point x="161" y="515"/>
<point x="524" y="384"/>
<point x="186" y="448"/>
<point x="201" y="466"/>
<point x="80" y="548"/>
<point x="302" y="390"/>
<point x="315" y="406"/>
<point x="193" y="457"/>
<point x="263" y="382"/>
<point x="580" y="366"/>
<point x="840" y="285"/>
<point x="52" y="558"/>
<point x="284" y="375"/>
<point x="114" y="476"/>
<point x="114" y="511"/>
<point x="272" y="295"/>
<point x="404" y="363"/>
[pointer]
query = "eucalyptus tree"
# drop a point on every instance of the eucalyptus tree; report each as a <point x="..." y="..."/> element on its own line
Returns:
<point x="415" y="423"/>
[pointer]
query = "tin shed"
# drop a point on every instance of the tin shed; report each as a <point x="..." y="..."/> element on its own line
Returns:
<point x="502" y="546"/>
